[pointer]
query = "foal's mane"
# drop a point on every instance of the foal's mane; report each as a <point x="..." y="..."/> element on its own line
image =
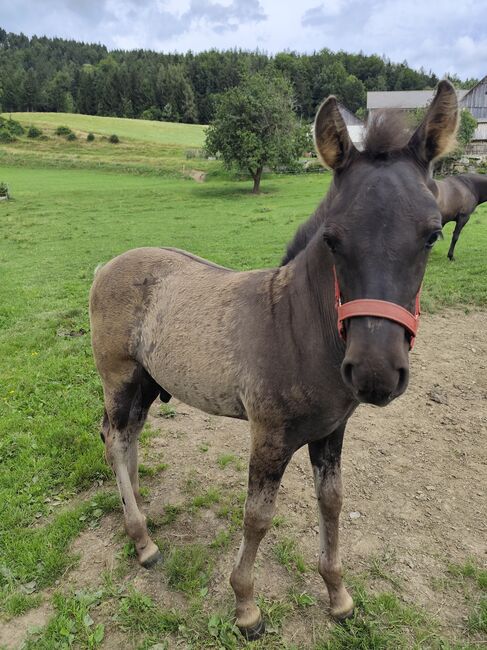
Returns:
<point x="387" y="134"/>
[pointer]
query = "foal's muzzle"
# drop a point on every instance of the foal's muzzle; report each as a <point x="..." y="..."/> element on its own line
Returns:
<point x="380" y="333"/>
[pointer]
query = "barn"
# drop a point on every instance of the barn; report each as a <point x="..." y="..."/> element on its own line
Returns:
<point x="355" y="126"/>
<point x="475" y="100"/>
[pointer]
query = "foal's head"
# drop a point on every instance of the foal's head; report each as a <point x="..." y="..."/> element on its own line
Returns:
<point x="381" y="222"/>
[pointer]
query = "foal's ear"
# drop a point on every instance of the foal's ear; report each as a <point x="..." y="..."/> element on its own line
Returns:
<point x="332" y="142"/>
<point x="436" y="135"/>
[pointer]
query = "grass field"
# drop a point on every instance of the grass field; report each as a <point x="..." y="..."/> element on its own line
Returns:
<point x="162" y="133"/>
<point x="61" y="223"/>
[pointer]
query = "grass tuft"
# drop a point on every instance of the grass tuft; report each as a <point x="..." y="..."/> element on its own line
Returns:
<point x="188" y="568"/>
<point x="287" y="554"/>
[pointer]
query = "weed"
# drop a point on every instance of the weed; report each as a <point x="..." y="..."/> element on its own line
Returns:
<point x="167" y="411"/>
<point x="286" y="553"/>
<point x="188" y="568"/>
<point x="207" y="499"/>
<point x="145" y="470"/>
<point x="278" y="521"/>
<point x="274" y="612"/>
<point x="72" y="624"/>
<point x="170" y="515"/>
<point x="477" y="621"/>
<point x="301" y="599"/>
<point x="377" y="571"/>
<point x="225" y="459"/>
<point x="222" y="539"/>
<point x="137" y="614"/>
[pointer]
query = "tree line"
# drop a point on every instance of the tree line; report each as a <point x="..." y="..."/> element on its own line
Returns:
<point x="53" y="74"/>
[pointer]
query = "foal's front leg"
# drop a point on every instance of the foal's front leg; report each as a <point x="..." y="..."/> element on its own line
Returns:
<point x="325" y="458"/>
<point x="268" y="460"/>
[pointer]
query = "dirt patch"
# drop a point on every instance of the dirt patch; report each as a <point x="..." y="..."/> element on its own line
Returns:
<point x="197" y="175"/>
<point x="414" y="482"/>
<point x="13" y="633"/>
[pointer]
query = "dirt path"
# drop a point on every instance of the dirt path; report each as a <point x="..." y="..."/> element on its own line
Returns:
<point x="416" y="472"/>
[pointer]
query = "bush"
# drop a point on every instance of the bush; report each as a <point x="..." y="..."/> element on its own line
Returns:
<point x="13" y="127"/>
<point x="34" y="132"/>
<point x="90" y="137"/>
<point x="71" y="137"/>
<point x="3" y="189"/>
<point x="6" y="137"/>
<point x="63" y="130"/>
<point x="152" y="113"/>
<point x="113" y="139"/>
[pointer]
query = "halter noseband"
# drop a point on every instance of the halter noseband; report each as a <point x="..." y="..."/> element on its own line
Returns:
<point x="379" y="309"/>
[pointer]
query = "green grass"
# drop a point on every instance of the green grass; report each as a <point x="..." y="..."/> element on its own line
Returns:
<point x="162" y="133"/>
<point x="188" y="568"/>
<point x="137" y="614"/>
<point x="288" y="555"/>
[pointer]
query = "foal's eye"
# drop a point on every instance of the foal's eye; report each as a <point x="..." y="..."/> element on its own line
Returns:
<point x="331" y="242"/>
<point x="433" y="238"/>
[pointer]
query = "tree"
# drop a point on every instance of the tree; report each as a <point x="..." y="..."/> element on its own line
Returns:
<point x="255" y="125"/>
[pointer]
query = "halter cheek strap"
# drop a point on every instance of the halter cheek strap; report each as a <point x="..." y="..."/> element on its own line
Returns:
<point x="379" y="309"/>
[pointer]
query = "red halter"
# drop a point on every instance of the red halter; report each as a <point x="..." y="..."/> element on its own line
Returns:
<point x="379" y="309"/>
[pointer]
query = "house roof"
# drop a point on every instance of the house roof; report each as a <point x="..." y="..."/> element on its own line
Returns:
<point x="404" y="98"/>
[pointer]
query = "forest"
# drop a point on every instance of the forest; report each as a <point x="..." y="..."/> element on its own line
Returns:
<point x="53" y="74"/>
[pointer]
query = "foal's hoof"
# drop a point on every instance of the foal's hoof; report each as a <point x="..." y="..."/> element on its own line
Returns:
<point x="152" y="560"/>
<point x="255" y="632"/>
<point x="341" y="619"/>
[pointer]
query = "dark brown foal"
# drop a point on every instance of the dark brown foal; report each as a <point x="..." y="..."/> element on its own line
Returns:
<point x="265" y="346"/>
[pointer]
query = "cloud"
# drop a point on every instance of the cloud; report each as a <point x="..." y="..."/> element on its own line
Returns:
<point x="320" y="15"/>
<point x="444" y="36"/>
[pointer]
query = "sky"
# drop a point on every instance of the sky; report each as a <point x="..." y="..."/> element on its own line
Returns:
<point x="445" y="36"/>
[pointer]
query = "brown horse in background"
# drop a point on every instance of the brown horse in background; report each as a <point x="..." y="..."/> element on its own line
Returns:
<point x="264" y="345"/>
<point x="457" y="198"/>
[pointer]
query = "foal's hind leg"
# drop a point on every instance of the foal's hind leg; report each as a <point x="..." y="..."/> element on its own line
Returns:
<point x="267" y="465"/>
<point x="128" y="396"/>
<point x="325" y="457"/>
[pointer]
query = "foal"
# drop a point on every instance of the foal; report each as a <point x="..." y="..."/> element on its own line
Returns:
<point x="265" y="346"/>
<point x="457" y="198"/>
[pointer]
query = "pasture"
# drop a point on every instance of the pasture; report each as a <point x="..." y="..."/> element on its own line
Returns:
<point x="415" y="472"/>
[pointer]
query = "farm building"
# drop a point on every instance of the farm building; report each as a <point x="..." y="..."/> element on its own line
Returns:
<point x="475" y="100"/>
<point x="355" y="126"/>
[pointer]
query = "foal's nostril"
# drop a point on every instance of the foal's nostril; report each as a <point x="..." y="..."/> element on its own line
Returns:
<point x="403" y="380"/>
<point x="347" y="371"/>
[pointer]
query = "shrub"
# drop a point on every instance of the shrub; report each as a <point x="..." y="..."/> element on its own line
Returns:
<point x="71" y="137"/>
<point x="63" y="130"/>
<point x="113" y="139"/>
<point x="6" y="137"/>
<point x="152" y="113"/>
<point x="14" y="127"/>
<point x="90" y="137"/>
<point x="34" y="132"/>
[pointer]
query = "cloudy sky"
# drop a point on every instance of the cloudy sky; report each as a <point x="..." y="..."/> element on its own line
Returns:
<point x="440" y="35"/>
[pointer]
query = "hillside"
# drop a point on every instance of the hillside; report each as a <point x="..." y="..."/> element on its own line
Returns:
<point x="145" y="147"/>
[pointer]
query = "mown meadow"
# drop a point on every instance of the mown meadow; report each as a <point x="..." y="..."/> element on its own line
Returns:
<point x="75" y="205"/>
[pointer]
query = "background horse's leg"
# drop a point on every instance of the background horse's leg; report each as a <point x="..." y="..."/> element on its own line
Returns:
<point x="461" y="221"/>
<point x="267" y="465"/>
<point x="325" y="458"/>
